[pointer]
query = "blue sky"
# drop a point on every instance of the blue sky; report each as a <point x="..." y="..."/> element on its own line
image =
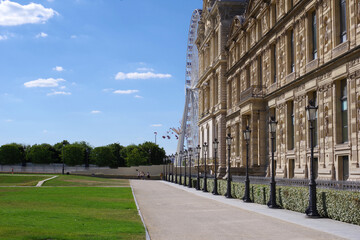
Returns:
<point x="100" y="71"/>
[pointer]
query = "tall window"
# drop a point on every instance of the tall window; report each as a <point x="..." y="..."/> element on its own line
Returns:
<point x="247" y="76"/>
<point x="291" y="125"/>
<point x="230" y="93"/>
<point x="260" y="71"/>
<point x="343" y="35"/>
<point x="314" y="35"/>
<point x="274" y="63"/>
<point x="292" y="52"/>
<point x="216" y="89"/>
<point x="344" y="111"/>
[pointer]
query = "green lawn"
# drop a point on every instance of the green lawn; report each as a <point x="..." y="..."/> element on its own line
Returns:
<point x="20" y="180"/>
<point x="69" y="212"/>
<point x="83" y="181"/>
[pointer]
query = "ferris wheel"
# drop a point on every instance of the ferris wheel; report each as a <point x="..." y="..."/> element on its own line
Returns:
<point x="189" y="133"/>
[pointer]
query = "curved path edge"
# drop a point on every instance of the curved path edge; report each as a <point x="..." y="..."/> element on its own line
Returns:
<point x="138" y="208"/>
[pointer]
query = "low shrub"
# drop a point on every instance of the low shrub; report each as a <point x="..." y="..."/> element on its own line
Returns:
<point x="335" y="204"/>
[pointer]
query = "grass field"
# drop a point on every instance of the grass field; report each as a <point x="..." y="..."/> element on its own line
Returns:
<point x="60" y="213"/>
<point x="20" y="180"/>
<point x="83" y="181"/>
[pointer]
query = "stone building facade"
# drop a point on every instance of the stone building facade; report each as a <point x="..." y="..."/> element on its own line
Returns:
<point x="211" y="41"/>
<point x="270" y="61"/>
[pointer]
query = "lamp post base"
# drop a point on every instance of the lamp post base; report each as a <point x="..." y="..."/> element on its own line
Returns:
<point x="198" y="183"/>
<point x="272" y="205"/>
<point x="312" y="214"/>
<point x="205" y="185"/>
<point x="246" y="197"/>
<point x="215" y="191"/>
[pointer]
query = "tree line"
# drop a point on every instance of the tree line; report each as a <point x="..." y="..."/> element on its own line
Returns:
<point x="82" y="153"/>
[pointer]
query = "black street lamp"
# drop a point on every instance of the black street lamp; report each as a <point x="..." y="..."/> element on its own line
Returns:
<point x="205" y="147"/>
<point x="167" y="169"/>
<point x="185" y="159"/>
<point x="311" y="211"/>
<point x="181" y="158"/>
<point x="246" y="197"/>
<point x="198" y="148"/>
<point x="176" y="160"/>
<point x="272" y="201"/>
<point x="172" y="167"/>
<point x="190" y="182"/>
<point x="164" y="169"/>
<point x="215" y="145"/>
<point x="228" y="191"/>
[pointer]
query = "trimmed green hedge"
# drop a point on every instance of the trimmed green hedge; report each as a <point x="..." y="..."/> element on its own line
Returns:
<point x="335" y="204"/>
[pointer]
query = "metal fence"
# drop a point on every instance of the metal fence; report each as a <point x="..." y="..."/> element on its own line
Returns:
<point x="328" y="184"/>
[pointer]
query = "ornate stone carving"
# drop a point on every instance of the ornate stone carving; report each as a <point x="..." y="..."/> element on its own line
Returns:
<point x="301" y="127"/>
<point x="358" y="11"/>
<point x="358" y="113"/>
<point x="326" y="121"/>
<point x="326" y="30"/>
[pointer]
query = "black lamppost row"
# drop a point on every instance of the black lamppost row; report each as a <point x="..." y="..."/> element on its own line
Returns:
<point x="198" y="148"/>
<point x="311" y="211"/>
<point x="215" y="145"/>
<point x="181" y="158"/>
<point x="185" y="159"/>
<point x="190" y="153"/>
<point x="167" y="169"/>
<point x="169" y="163"/>
<point x="272" y="201"/>
<point x="176" y="160"/>
<point x="246" y="197"/>
<point x="172" y="167"/>
<point x="228" y="190"/>
<point x="164" y="169"/>
<point x="205" y="148"/>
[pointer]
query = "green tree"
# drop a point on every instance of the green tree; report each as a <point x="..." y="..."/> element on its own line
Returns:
<point x="87" y="148"/>
<point x="58" y="149"/>
<point x="103" y="156"/>
<point x="135" y="157"/>
<point x="116" y="149"/>
<point x="10" y="154"/>
<point x="154" y="154"/>
<point x="73" y="154"/>
<point x="43" y="153"/>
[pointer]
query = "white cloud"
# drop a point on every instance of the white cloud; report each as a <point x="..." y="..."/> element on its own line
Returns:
<point x="140" y="75"/>
<point x="73" y="36"/>
<point x="45" y="131"/>
<point x="3" y="37"/>
<point x="144" y="69"/>
<point x="138" y="96"/>
<point x="125" y="91"/>
<point x="156" y="125"/>
<point x="58" y="93"/>
<point x="58" y="69"/>
<point x="49" y="82"/>
<point x="8" y="120"/>
<point x="95" y="112"/>
<point x="41" y="35"/>
<point x="12" y="13"/>
<point x="108" y="89"/>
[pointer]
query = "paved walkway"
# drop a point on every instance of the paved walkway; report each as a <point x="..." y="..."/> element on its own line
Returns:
<point x="175" y="212"/>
